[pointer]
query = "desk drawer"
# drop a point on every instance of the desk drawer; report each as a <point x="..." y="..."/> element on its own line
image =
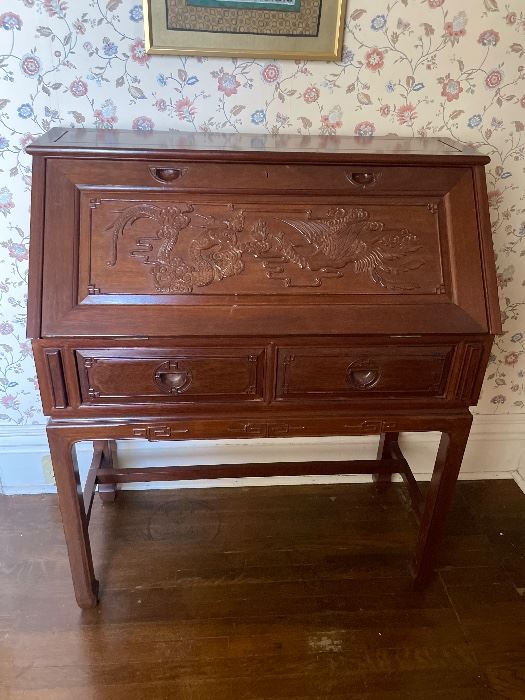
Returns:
<point x="189" y="176"/>
<point x="350" y="179"/>
<point x="174" y="375"/>
<point x="386" y="371"/>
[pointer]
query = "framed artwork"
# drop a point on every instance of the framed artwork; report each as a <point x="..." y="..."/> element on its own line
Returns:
<point x="280" y="29"/>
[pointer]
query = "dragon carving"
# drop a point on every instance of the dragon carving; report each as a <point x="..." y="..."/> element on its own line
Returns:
<point x="219" y="246"/>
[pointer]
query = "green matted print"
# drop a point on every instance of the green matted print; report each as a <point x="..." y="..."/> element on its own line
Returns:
<point x="182" y="16"/>
<point x="273" y="29"/>
<point x="275" y="5"/>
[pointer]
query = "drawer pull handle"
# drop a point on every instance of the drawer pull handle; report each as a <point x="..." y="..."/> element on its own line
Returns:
<point x="173" y="380"/>
<point x="362" y="378"/>
<point x="167" y="174"/>
<point x="363" y="179"/>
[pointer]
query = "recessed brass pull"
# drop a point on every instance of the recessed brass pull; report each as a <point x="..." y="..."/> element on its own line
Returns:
<point x="167" y="175"/>
<point x="172" y="379"/>
<point x="362" y="377"/>
<point x="363" y="179"/>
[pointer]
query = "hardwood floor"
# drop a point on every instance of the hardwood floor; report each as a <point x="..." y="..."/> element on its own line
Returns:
<point x="265" y="593"/>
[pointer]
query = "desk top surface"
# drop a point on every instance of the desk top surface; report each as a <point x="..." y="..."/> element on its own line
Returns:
<point x="128" y="143"/>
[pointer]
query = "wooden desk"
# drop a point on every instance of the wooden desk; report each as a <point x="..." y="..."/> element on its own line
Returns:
<point x="187" y="286"/>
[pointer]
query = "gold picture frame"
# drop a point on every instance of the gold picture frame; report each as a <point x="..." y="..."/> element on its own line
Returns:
<point x="272" y="29"/>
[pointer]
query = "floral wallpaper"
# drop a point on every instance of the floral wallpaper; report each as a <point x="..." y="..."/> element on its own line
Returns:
<point x="409" y="67"/>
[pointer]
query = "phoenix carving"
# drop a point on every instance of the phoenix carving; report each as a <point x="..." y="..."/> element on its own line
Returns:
<point x="342" y="237"/>
<point x="216" y="247"/>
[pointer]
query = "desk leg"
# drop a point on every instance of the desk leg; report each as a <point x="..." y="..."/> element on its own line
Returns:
<point x="108" y="492"/>
<point x="74" y="519"/>
<point x="383" y="481"/>
<point x="444" y="477"/>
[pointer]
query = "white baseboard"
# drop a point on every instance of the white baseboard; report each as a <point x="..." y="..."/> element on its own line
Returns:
<point x="496" y="450"/>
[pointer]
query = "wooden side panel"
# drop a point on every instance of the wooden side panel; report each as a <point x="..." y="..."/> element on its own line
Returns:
<point x="55" y="370"/>
<point x="474" y="364"/>
<point x="36" y="248"/>
<point x="487" y="252"/>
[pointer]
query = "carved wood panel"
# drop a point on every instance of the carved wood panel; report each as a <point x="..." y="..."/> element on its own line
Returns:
<point x="198" y="247"/>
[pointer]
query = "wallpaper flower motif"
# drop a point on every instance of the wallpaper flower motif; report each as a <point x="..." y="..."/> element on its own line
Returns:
<point x="409" y="67"/>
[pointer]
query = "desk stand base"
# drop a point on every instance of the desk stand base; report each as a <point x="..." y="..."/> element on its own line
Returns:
<point x="104" y="475"/>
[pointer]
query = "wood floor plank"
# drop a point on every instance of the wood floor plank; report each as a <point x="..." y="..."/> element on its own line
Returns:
<point x="296" y="593"/>
<point x="507" y="677"/>
<point x="211" y="691"/>
<point x="294" y="674"/>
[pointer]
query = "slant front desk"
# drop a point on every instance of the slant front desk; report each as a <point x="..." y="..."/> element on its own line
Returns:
<point x="220" y="286"/>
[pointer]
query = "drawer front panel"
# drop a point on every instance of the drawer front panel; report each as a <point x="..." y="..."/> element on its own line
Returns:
<point x="188" y="176"/>
<point x="366" y="371"/>
<point x="122" y="376"/>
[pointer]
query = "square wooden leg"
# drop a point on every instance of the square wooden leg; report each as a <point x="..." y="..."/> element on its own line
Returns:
<point x="107" y="492"/>
<point x="386" y="440"/>
<point x="74" y="518"/>
<point x="444" y="477"/>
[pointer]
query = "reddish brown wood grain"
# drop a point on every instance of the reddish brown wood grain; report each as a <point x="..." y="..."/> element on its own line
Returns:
<point x="228" y="286"/>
